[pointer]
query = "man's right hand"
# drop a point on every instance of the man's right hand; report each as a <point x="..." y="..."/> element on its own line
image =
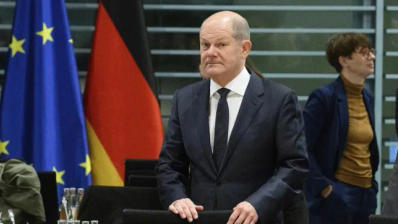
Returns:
<point x="186" y="209"/>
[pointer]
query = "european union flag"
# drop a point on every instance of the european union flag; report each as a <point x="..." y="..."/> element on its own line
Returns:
<point x="41" y="111"/>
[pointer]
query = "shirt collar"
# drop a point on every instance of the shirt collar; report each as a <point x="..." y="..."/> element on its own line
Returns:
<point x="237" y="85"/>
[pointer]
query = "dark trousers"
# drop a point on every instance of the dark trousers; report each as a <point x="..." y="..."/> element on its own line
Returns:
<point x="347" y="204"/>
<point x="295" y="211"/>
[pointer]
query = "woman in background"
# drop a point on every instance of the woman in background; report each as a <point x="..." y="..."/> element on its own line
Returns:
<point x="341" y="141"/>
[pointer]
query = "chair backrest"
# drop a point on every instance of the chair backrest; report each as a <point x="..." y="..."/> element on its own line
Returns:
<point x="136" y="216"/>
<point x="141" y="181"/>
<point x="140" y="167"/>
<point x="383" y="219"/>
<point x="106" y="204"/>
<point x="49" y="194"/>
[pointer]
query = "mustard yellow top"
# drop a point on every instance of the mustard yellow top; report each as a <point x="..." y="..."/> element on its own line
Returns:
<point x="354" y="167"/>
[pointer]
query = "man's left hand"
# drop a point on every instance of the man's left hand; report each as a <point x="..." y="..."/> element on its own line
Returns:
<point x="243" y="213"/>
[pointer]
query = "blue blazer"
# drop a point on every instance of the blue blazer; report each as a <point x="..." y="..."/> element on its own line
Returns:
<point x="266" y="160"/>
<point x="326" y="127"/>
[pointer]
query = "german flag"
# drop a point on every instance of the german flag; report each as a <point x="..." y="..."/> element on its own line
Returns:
<point x="121" y="108"/>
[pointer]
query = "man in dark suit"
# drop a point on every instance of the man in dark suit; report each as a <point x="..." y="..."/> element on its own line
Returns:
<point x="234" y="141"/>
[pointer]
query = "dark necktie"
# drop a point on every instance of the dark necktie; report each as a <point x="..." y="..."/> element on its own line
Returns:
<point x="221" y="128"/>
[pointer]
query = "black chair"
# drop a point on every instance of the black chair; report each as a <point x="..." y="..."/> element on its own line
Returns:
<point x="49" y="194"/>
<point x="106" y="204"/>
<point x="383" y="219"/>
<point x="141" y="181"/>
<point x="136" y="216"/>
<point x="140" y="172"/>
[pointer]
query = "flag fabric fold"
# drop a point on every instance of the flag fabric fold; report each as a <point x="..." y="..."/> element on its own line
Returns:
<point x="41" y="112"/>
<point x="122" y="111"/>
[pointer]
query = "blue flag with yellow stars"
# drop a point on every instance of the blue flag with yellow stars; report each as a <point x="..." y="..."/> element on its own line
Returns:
<point x="41" y="113"/>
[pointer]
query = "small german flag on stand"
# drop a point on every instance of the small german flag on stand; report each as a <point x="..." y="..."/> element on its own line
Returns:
<point x="122" y="111"/>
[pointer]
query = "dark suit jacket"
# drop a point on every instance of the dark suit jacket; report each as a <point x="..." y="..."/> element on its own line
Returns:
<point x="326" y="127"/>
<point x="265" y="162"/>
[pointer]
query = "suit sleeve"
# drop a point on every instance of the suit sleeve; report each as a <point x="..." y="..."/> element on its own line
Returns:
<point x="315" y="119"/>
<point x="172" y="170"/>
<point x="292" y="163"/>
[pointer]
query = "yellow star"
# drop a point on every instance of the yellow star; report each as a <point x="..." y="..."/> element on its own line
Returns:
<point x="59" y="175"/>
<point x="3" y="148"/>
<point x="71" y="40"/>
<point x="16" y="46"/>
<point x="86" y="165"/>
<point x="46" y="33"/>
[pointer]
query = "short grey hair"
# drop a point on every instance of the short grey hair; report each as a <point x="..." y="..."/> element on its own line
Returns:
<point x="240" y="29"/>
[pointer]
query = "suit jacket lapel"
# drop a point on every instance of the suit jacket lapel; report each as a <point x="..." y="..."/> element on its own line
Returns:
<point x="343" y="113"/>
<point x="200" y="112"/>
<point x="250" y="104"/>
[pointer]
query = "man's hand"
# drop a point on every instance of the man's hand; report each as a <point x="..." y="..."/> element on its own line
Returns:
<point x="243" y="213"/>
<point x="186" y="209"/>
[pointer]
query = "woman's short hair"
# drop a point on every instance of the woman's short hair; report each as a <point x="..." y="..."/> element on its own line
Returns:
<point x="344" y="45"/>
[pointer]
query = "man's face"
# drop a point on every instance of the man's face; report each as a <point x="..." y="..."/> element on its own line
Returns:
<point x="361" y="62"/>
<point x="220" y="54"/>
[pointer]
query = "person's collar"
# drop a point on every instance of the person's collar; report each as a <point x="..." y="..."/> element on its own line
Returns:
<point x="237" y="85"/>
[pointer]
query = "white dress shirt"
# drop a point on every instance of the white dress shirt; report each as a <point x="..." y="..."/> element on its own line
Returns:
<point x="234" y="99"/>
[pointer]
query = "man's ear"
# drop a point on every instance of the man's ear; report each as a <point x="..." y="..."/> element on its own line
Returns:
<point x="342" y="61"/>
<point x="246" y="46"/>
